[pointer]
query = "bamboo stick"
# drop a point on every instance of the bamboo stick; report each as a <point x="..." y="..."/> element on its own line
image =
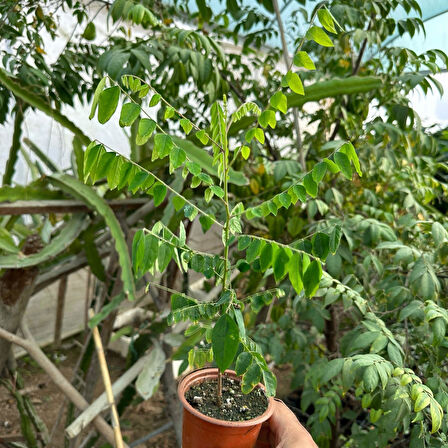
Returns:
<point x="107" y="384"/>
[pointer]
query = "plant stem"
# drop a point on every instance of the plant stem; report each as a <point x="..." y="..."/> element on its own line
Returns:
<point x="219" y="396"/>
<point x="226" y="276"/>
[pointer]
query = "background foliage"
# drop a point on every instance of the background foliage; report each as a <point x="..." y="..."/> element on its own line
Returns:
<point x="366" y="352"/>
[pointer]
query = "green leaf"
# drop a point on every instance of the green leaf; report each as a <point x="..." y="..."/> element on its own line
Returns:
<point x="243" y="362"/>
<point x="300" y="192"/>
<point x="319" y="171"/>
<point x="278" y="101"/>
<point x="270" y="381"/>
<point x="253" y="250"/>
<point x="89" y="196"/>
<point x="423" y="400"/>
<point x="266" y="118"/>
<point x="302" y="59"/>
<point x="295" y="83"/>
<point x="164" y="256"/>
<point x="251" y="378"/>
<point x="266" y="257"/>
<point x="107" y="103"/>
<point x="426" y="286"/>
<point x="245" y="152"/>
<point x="129" y="113"/>
<point x="96" y="96"/>
<point x="89" y="31"/>
<point x="159" y="193"/>
<point x="335" y="238"/>
<point x="169" y="113"/>
<point x="321" y="245"/>
<point x="218" y="191"/>
<point x="7" y="242"/>
<point x="310" y="185"/>
<point x="343" y="163"/>
<point x="311" y="278"/>
<point x="319" y="36"/>
<point x="349" y="151"/>
<point x="163" y="144"/>
<point x="246" y="109"/>
<point x="146" y="127"/>
<point x="177" y="158"/>
<point x="439" y="233"/>
<point x="155" y="99"/>
<point x="202" y="136"/>
<point x="186" y="124"/>
<point x="394" y="354"/>
<point x="259" y="135"/>
<point x="332" y="166"/>
<point x="436" y="415"/>
<point x="295" y="272"/>
<point x="326" y="20"/>
<point x="370" y="378"/>
<point x="280" y="263"/>
<point x="225" y="341"/>
<point x="333" y="368"/>
<point x="255" y="132"/>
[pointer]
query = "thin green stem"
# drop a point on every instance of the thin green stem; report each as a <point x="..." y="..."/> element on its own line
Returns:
<point x="172" y="190"/>
<point x="195" y="126"/>
<point x="170" y="290"/>
<point x="184" y="247"/>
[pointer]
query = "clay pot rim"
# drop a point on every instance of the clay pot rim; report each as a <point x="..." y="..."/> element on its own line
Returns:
<point x="193" y="377"/>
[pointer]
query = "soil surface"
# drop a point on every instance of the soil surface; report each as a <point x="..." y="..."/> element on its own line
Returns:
<point x="236" y="406"/>
<point x="139" y="419"/>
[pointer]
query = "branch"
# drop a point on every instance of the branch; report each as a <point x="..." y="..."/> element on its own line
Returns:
<point x="60" y="381"/>
<point x="100" y="404"/>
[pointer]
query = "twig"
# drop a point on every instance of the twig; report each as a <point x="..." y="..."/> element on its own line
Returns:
<point x="107" y="384"/>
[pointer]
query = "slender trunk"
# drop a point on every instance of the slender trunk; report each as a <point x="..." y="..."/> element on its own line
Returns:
<point x="16" y="288"/>
<point x="287" y="63"/>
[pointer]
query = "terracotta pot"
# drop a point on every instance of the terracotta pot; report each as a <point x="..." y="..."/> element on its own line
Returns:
<point x="201" y="431"/>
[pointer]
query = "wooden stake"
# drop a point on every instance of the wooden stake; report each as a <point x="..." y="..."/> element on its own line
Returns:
<point x="107" y="384"/>
<point x="60" y="311"/>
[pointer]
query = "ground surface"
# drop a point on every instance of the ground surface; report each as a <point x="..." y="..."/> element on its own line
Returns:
<point x="138" y="420"/>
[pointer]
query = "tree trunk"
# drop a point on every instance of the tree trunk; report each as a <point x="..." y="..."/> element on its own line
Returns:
<point x="16" y="288"/>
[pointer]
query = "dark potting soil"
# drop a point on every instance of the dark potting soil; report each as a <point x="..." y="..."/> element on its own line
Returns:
<point x="236" y="406"/>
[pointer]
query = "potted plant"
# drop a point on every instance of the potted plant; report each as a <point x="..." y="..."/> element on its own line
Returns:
<point x="222" y="407"/>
